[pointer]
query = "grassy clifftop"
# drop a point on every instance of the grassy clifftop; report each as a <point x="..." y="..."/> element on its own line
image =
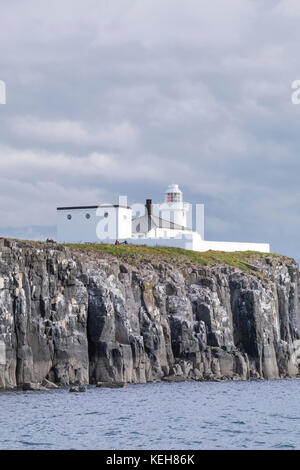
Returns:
<point x="134" y="254"/>
<point x="251" y="261"/>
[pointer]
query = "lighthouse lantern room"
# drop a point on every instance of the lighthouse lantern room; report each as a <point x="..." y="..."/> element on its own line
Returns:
<point x="173" y="193"/>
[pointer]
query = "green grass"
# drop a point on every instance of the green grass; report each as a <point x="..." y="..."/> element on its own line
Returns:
<point x="137" y="254"/>
<point x="134" y="254"/>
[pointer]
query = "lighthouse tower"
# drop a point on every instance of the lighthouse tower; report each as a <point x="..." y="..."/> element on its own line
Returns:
<point x="175" y="206"/>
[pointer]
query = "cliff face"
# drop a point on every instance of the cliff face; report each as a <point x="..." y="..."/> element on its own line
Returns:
<point x="80" y="316"/>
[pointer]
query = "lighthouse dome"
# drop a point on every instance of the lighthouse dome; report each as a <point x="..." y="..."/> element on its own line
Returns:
<point x="173" y="193"/>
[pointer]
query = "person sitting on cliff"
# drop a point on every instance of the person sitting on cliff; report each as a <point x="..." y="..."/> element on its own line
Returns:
<point x="117" y="242"/>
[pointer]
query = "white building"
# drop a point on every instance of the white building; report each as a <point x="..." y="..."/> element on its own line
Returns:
<point x="166" y="224"/>
<point x="93" y="224"/>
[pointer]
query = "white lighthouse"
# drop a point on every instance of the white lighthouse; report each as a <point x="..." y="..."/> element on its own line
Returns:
<point x="173" y="208"/>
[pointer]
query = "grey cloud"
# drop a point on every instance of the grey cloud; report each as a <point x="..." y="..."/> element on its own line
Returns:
<point x="108" y="98"/>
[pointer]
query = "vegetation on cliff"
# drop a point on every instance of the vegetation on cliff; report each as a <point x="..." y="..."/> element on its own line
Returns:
<point x="133" y="254"/>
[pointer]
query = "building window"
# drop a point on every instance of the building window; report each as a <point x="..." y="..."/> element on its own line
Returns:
<point x="105" y="214"/>
<point x="174" y="197"/>
<point x="69" y="217"/>
<point x="87" y="216"/>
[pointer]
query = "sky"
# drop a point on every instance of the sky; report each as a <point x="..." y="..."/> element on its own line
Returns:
<point x="123" y="97"/>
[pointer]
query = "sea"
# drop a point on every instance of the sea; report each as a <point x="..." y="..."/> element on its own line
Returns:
<point x="169" y="416"/>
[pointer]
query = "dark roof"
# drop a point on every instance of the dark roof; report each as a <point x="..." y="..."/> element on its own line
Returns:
<point x="91" y="207"/>
<point x="154" y="221"/>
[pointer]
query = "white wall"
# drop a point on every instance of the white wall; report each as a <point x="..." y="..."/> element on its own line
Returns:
<point x="194" y="242"/>
<point x="105" y="222"/>
<point x="233" y="246"/>
<point x="124" y="223"/>
<point x="158" y="232"/>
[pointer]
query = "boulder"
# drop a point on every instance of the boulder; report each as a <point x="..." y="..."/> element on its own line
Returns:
<point x="173" y="378"/>
<point x="112" y="385"/>
<point x="78" y="388"/>
<point x="33" y="387"/>
<point x="47" y="384"/>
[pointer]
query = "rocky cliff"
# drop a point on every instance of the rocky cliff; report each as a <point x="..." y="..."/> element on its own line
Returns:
<point x="82" y="315"/>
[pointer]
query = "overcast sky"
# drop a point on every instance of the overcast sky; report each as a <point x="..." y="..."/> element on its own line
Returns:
<point x="109" y="97"/>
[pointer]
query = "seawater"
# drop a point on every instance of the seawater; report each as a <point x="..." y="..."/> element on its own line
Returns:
<point x="188" y="415"/>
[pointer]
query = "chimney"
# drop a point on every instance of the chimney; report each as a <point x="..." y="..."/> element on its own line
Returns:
<point x="149" y="207"/>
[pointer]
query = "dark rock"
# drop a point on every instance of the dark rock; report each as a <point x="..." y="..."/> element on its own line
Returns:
<point x="33" y="387"/>
<point x="112" y="385"/>
<point x="78" y="389"/>
<point x="46" y="383"/>
<point x="173" y="378"/>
